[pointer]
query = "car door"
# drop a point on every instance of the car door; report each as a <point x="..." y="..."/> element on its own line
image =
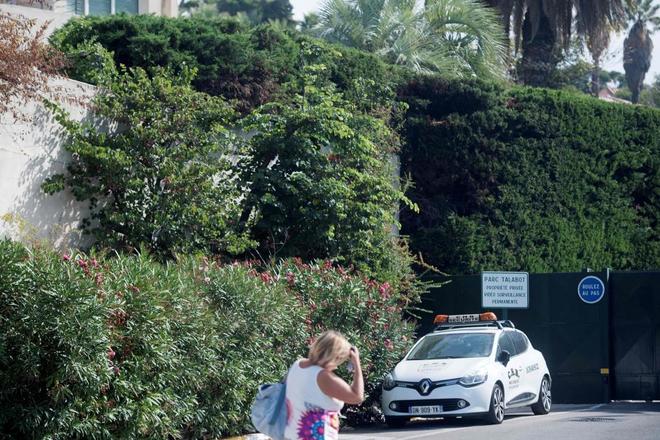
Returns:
<point x="512" y="369"/>
<point x="531" y="375"/>
<point x="528" y="368"/>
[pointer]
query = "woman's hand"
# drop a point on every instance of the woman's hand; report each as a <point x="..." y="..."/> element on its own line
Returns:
<point x="354" y="358"/>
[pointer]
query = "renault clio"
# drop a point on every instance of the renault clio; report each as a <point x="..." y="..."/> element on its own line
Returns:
<point x="470" y="365"/>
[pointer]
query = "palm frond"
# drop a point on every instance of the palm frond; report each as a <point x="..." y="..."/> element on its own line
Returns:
<point x="459" y="37"/>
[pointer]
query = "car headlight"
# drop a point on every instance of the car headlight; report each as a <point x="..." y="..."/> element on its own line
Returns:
<point x="389" y="382"/>
<point x="474" y="378"/>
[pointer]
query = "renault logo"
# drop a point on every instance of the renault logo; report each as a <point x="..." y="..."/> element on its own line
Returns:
<point x="425" y="386"/>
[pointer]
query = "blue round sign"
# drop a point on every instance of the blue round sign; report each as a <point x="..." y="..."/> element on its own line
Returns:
<point x="591" y="289"/>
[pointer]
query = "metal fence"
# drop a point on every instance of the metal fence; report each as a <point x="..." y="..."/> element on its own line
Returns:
<point x="598" y="352"/>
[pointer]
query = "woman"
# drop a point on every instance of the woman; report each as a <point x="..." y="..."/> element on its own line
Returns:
<point x="314" y="394"/>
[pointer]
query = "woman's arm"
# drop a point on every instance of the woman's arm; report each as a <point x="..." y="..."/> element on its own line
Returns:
<point x="336" y="387"/>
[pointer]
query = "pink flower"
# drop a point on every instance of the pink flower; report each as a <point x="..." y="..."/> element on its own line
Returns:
<point x="290" y="278"/>
<point x="384" y="290"/>
<point x="66" y="257"/>
<point x="111" y="353"/>
<point x="388" y="344"/>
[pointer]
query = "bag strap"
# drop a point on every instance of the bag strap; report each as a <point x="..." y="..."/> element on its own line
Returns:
<point x="280" y="401"/>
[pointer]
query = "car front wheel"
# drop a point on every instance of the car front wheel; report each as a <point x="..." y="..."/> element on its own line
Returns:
<point x="543" y="405"/>
<point x="496" y="411"/>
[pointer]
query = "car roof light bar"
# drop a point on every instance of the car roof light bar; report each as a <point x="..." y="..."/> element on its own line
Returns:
<point x="487" y="319"/>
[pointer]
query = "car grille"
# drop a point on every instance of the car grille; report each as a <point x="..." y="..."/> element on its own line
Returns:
<point x="447" y="404"/>
<point x="434" y="385"/>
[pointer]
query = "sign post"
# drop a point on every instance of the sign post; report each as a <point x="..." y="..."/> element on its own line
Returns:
<point x="505" y="290"/>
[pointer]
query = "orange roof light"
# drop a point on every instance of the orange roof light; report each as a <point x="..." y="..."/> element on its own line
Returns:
<point x="440" y="319"/>
<point x="488" y="316"/>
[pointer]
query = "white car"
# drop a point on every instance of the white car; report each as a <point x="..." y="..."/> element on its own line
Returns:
<point x="471" y="365"/>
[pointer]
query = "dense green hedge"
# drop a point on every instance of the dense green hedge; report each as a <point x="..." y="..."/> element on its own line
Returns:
<point x="530" y="179"/>
<point x="125" y="347"/>
<point x="504" y="177"/>
<point x="248" y="64"/>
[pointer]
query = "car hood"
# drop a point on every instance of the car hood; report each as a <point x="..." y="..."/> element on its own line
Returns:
<point x="440" y="369"/>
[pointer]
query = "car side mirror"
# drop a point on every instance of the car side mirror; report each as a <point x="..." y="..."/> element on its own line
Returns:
<point x="504" y="357"/>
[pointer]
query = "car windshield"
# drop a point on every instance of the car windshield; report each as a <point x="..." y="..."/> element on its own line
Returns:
<point x="453" y="346"/>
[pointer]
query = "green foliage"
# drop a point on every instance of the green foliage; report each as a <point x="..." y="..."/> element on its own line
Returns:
<point x="318" y="179"/>
<point x="367" y="312"/>
<point x="257" y="11"/>
<point x="530" y="179"/>
<point x="128" y="348"/>
<point x="92" y="63"/>
<point x="452" y="37"/>
<point x="156" y="175"/>
<point x="88" y="60"/>
<point x="317" y="173"/>
<point x="244" y="64"/>
<point x="107" y="349"/>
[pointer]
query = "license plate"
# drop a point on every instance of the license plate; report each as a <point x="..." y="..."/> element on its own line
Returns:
<point x="426" y="410"/>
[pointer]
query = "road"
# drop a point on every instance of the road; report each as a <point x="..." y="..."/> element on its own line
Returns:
<point x="628" y="421"/>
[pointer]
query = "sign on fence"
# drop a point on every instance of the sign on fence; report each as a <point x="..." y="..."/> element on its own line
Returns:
<point x="591" y="289"/>
<point x="505" y="290"/>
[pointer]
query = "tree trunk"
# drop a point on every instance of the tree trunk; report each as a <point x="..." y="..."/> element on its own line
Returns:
<point x="637" y="50"/>
<point x="595" y="78"/>
<point x="539" y="54"/>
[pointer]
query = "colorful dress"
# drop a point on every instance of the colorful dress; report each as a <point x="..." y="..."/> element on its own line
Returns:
<point x="312" y="414"/>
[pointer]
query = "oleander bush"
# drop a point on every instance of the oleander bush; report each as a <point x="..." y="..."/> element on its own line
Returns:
<point x="95" y="346"/>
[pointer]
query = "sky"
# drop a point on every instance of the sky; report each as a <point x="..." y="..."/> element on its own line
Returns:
<point x="614" y="60"/>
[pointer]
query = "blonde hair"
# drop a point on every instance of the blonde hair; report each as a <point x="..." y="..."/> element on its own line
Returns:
<point x="329" y="348"/>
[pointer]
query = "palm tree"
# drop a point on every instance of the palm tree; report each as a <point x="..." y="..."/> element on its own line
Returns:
<point x="638" y="47"/>
<point x="456" y="37"/>
<point x="542" y="29"/>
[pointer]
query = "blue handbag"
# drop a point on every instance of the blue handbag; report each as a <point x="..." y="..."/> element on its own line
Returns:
<point x="268" y="412"/>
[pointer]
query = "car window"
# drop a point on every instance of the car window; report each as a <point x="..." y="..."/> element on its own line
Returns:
<point x="453" y="346"/>
<point x="506" y="343"/>
<point x="519" y="341"/>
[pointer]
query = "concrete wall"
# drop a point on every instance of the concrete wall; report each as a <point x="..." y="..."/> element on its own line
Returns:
<point x="53" y="18"/>
<point x="30" y="151"/>
<point x="39" y="4"/>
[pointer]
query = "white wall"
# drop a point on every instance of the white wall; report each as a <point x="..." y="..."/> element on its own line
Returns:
<point x="55" y="19"/>
<point x="31" y="149"/>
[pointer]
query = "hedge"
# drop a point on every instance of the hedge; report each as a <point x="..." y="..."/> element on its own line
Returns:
<point x="238" y="62"/>
<point x="530" y="179"/>
<point x="114" y="347"/>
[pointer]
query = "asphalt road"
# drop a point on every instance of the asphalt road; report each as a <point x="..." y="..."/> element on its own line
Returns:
<point x="620" y="421"/>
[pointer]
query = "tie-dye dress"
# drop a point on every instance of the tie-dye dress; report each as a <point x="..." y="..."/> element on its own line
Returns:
<point x="312" y="414"/>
